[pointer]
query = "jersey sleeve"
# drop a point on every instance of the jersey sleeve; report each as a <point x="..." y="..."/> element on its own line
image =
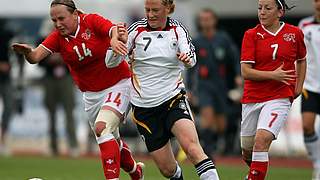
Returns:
<point x="51" y="43"/>
<point x="248" y="48"/>
<point x="185" y="44"/>
<point x="100" y="25"/>
<point x="301" y="47"/>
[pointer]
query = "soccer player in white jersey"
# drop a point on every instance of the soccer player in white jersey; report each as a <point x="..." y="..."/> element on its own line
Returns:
<point x="161" y="49"/>
<point x="310" y="104"/>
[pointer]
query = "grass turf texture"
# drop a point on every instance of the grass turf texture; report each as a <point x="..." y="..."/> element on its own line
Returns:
<point x="23" y="168"/>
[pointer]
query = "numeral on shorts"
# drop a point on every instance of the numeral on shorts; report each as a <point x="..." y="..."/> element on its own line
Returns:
<point x="116" y="100"/>
<point x="274" y="117"/>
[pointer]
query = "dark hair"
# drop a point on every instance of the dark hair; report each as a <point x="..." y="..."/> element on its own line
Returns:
<point x="283" y="5"/>
<point x="71" y="6"/>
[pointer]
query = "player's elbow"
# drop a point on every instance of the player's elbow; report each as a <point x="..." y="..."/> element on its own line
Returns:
<point x="245" y="71"/>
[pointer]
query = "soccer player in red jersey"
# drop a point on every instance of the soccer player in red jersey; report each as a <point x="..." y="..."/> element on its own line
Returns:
<point x="273" y="66"/>
<point x="84" y="42"/>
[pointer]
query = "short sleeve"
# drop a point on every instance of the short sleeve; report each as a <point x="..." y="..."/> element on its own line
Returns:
<point x="248" y="48"/>
<point x="301" y="47"/>
<point x="100" y="25"/>
<point x="51" y="43"/>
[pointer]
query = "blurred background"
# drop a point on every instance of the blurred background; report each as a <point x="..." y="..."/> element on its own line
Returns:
<point x="40" y="126"/>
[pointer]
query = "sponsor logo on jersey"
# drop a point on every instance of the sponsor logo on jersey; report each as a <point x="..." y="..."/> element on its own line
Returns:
<point x="160" y="36"/>
<point x="261" y="35"/>
<point x="86" y="35"/>
<point x="289" y="37"/>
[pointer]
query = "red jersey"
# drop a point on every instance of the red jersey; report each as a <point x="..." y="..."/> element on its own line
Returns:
<point x="267" y="51"/>
<point x="85" y="52"/>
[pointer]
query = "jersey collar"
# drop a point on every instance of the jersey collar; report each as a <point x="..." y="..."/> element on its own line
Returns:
<point x="159" y="29"/>
<point x="274" y="34"/>
<point x="78" y="29"/>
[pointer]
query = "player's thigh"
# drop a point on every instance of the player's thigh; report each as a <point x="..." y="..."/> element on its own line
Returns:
<point x="273" y="115"/>
<point x="185" y="132"/>
<point x="118" y="97"/>
<point x="250" y="115"/>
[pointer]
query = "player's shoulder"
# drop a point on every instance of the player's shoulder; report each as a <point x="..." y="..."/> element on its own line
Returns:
<point x="135" y="25"/>
<point x="306" y="21"/>
<point x="253" y="31"/>
<point x="292" y="28"/>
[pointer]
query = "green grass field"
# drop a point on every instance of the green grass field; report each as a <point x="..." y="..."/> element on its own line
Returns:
<point x="24" y="168"/>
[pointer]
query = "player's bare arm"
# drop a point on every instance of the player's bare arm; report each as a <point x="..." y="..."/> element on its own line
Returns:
<point x="33" y="56"/>
<point x="301" y="67"/>
<point x="285" y="76"/>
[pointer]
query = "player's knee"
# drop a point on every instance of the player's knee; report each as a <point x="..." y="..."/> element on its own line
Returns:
<point x="262" y="143"/>
<point x="247" y="143"/>
<point x="107" y="122"/>
<point x="99" y="127"/>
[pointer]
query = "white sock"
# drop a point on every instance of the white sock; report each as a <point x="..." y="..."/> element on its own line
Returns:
<point x="178" y="172"/>
<point x="206" y="170"/>
<point x="312" y="143"/>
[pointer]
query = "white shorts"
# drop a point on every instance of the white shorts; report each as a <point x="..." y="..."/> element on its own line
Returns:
<point x="269" y="115"/>
<point x="116" y="97"/>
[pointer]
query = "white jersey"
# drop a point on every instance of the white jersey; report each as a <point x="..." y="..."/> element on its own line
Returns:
<point x="311" y="30"/>
<point x="156" y="70"/>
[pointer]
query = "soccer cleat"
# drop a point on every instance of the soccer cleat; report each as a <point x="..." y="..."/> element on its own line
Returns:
<point x="138" y="173"/>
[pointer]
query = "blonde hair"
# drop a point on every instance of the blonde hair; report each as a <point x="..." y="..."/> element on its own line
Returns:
<point x="169" y="3"/>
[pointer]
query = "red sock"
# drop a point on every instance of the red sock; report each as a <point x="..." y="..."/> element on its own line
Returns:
<point x="128" y="164"/>
<point x="259" y="166"/>
<point x="110" y="156"/>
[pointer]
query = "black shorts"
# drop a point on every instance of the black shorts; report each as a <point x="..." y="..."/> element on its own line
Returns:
<point x="154" y="124"/>
<point x="310" y="102"/>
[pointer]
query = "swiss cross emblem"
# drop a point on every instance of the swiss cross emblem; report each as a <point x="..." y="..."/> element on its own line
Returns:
<point x="86" y="35"/>
<point x="289" y="37"/>
<point x="109" y="161"/>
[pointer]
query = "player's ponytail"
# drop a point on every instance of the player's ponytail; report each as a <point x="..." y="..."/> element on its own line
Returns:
<point x="283" y="5"/>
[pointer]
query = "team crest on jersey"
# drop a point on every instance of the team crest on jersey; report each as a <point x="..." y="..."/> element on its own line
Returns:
<point x="289" y="37"/>
<point x="174" y="43"/>
<point x="86" y="35"/>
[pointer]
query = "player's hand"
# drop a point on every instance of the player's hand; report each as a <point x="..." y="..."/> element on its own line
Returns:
<point x="21" y="48"/>
<point x="284" y="76"/>
<point x="118" y="47"/>
<point x="122" y="32"/>
<point x="183" y="57"/>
